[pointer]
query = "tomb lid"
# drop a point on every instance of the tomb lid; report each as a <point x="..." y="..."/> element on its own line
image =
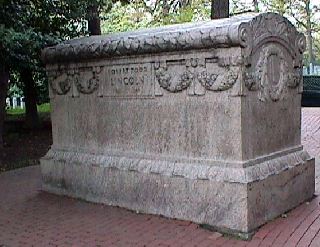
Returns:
<point x="246" y="31"/>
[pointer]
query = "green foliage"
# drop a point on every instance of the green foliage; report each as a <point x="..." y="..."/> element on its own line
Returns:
<point x="44" y="108"/>
<point x="21" y="49"/>
<point x="240" y="6"/>
<point x="198" y="10"/>
<point x="127" y="16"/>
<point x="17" y="111"/>
<point x="184" y="15"/>
<point x="304" y="14"/>
<point x="27" y="26"/>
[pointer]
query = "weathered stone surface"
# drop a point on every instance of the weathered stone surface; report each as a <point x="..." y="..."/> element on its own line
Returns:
<point x="196" y="121"/>
<point x="237" y="199"/>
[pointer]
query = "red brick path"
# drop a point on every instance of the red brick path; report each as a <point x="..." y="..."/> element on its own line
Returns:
<point x="310" y="130"/>
<point x="30" y="217"/>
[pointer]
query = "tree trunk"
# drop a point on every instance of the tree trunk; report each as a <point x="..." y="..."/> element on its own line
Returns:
<point x="256" y="5"/>
<point x="4" y="79"/>
<point x="165" y="8"/>
<point x="219" y="9"/>
<point x="30" y="94"/>
<point x="309" y="35"/>
<point x="185" y="3"/>
<point x="94" y="20"/>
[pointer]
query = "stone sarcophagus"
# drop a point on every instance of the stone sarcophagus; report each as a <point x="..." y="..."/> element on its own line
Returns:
<point x="198" y="121"/>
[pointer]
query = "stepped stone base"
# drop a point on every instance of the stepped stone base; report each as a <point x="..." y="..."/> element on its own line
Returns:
<point x="235" y="200"/>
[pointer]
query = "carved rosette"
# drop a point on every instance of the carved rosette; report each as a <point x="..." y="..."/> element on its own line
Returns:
<point x="206" y="79"/>
<point x="163" y="77"/>
<point x="294" y="78"/>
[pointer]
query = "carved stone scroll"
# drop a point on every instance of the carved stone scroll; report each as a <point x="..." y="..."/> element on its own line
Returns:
<point x="275" y="29"/>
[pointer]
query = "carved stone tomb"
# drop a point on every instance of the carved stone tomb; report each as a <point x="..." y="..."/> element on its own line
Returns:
<point x="198" y="121"/>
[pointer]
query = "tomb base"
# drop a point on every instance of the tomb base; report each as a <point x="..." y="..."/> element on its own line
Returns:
<point x="235" y="197"/>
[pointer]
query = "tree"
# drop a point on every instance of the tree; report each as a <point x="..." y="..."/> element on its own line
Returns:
<point x="27" y="26"/>
<point x="10" y="17"/>
<point x="94" y="9"/>
<point x="255" y="5"/>
<point x="4" y="78"/>
<point x="304" y="15"/>
<point x="93" y="20"/>
<point x="126" y="16"/>
<point x="30" y="94"/>
<point x="308" y="27"/>
<point x="219" y="9"/>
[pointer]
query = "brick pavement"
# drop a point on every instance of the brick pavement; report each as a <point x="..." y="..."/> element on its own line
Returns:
<point x="310" y="137"/>
<point x="30" y="217"/>
<point x="310" y="130"/>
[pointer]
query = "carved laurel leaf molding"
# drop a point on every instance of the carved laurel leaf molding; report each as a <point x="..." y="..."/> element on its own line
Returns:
<point x="62" y="79"/>
<point x="218" y="81"/>
<point x="210" y="80"/>
<point x="90" y="85"/>
<point x="166" y="80"/>
<point x="260" y="77"/>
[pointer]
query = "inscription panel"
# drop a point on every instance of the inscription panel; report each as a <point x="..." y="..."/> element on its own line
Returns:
<point x="129" y="80"/>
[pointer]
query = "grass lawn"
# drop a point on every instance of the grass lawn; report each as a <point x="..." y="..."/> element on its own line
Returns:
<point x="41" y="108"/>
<point x="18" y="113"/>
